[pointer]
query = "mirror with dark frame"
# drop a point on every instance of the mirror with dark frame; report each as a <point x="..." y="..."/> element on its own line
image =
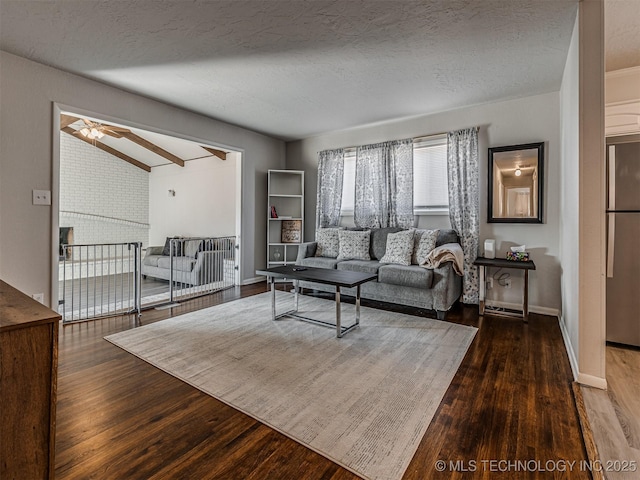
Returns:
<point x="515" y="183"/>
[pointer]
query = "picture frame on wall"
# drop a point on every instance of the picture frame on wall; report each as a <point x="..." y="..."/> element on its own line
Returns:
<point x="291" y="231"/>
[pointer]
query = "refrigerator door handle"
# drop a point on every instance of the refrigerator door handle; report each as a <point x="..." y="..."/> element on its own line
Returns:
<point x="612" y="177"/>
<point x="611" y="239"/>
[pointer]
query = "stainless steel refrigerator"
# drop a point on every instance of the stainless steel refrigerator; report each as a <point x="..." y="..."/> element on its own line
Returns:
<point x="623" y="240"/>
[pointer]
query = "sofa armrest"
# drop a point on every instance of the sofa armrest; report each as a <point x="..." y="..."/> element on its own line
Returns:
<point x="208" y="257"/>
<point x="154" y="250"/>
<point x="446" y="286"/>
<point x="305" y="250"/>
<point x="209" y="266"/>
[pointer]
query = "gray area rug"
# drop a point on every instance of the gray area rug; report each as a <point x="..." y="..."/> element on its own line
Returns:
<point x="363" y="401"/>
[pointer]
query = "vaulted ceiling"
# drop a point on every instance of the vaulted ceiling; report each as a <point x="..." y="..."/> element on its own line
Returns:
<point x="298" y="68"/>
<point x="140" y="148"/>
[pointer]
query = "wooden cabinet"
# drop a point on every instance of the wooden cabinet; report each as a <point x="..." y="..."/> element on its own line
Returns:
<point x="285" y="216"/>
<point x="28" y="374"/>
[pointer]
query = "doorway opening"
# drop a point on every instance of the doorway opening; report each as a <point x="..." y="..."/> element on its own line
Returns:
<point x="128" y="199"/>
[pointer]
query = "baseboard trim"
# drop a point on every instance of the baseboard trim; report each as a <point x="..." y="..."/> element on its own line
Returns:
<point x="581" y="378"/>
<point x="573" y="360"/>
<point x="592" y="381"/>
<point x="552" y="312"/>
<point x="251" y="281"/>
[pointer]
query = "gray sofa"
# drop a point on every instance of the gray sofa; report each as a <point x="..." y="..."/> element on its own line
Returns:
<point x="192" y="265"/>
<point x="434" y="289"/>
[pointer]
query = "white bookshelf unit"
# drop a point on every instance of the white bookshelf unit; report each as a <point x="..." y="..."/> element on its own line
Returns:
<point x="286" y="196"/>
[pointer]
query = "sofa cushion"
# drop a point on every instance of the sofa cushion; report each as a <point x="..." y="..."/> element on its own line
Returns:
<point x="183" y="264"/>
<point x="379" y="241"/>
<point x="328" y="241"/>
<point x="364" y="266"/>
<point x="319" y="262"/>
<point x="406" y="276"/>
<point x="167" y="247"/>
<point x="354" y="245"/>
<point x="425" y="241"/>
<point x="151" y="260"/>
<point x="446" y="235"/>
<point x="399" y="247"/>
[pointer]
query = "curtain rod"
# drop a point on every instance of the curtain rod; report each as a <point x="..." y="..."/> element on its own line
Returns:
<point x="412" y="138"/>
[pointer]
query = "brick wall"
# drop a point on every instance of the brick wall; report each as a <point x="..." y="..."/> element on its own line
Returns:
<point x="104" y="198"/>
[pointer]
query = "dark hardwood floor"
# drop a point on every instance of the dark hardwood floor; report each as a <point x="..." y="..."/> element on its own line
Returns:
<point x="121" y="418"/>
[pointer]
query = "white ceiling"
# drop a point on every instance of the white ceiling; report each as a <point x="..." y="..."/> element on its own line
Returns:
<point x="298" y="68"/>
<point x="622" y="34"/>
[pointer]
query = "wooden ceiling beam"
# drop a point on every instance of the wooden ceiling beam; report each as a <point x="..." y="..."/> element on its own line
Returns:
<point x="66" y="120"/>
<point x="218" y="153"/>
<point x="152" y="147"/>
<point x="108" y="149"/>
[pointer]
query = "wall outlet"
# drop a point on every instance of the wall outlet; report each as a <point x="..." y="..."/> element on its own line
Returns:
<point x="41" y="197"/>
<point x="507" y="283"/>
<point x="38" y="297"/>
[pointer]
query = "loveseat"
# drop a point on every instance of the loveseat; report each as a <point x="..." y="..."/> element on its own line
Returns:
<point x="195" y="261"/>
<point x="414" y="285"/>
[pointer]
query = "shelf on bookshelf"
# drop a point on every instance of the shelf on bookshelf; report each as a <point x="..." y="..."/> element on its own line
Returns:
<point x="286" y="200"/>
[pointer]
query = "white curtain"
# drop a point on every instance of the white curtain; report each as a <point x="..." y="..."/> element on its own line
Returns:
<point x="384" y="185"/>
<point x="330" y="174"/>
<point x="464" y="202"/>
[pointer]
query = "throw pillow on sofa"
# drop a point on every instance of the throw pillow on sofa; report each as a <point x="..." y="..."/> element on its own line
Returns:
<point x="176" y="247"/>
<point x="354" y="244"/>
<point x="425" y="242"/>
<point x="399" y="247"/>
<point x="327" y="242"/>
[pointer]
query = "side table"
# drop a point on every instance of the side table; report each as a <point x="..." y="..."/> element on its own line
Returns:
<point x="504" y="263"/>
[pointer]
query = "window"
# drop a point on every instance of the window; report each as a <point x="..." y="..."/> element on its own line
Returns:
<point x="349" y="182"/>
<point x="430" y="187"/>
<point x="430" y="183"/>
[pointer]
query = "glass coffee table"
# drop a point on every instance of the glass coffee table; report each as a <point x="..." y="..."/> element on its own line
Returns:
<point x="327" y="276"/>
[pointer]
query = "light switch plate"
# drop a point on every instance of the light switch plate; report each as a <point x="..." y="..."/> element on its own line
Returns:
<point x="42" y="197"/>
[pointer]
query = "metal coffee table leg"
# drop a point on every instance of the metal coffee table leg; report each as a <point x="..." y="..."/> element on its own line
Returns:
<point x="272" y="280"/>
<point x="338" y="319"/>
<point x="358" y="305"/>
<point x="340" y="330"/>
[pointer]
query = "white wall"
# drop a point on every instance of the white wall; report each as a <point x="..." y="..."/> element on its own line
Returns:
<point x="104" y="198"/>
<point x="28" y="91"/>
<point x="511" y="122"/>
<point x="570" y="201"/>
<point x="204" y="204"/>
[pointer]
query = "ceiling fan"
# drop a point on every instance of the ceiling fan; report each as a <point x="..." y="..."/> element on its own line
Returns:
<point x="95" y="130"/>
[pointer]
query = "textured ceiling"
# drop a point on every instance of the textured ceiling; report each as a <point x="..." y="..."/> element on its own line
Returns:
<point x="297" y="68"/>
<point x="622" y="34"/>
